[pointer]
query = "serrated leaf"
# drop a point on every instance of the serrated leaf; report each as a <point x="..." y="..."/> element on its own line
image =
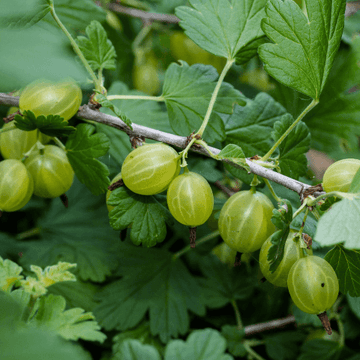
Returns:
<point x="9" y="274"/>
<point x="206" y="344"/>
<point x="304" y="46"/>
<point x="78" y="234"/>
<point x="235" y="154"/>
<point x="20" y="14"/>
<point x="223" y="27"/>
<point x="51" y="125"/>
<point x="234" y="338"/>
<point x="163" y="287"/>
<point x="144" y="213"/>
<point x="282" y="219"/>
<point x="346" y="265"/>
<point x="340" y="224"/>
<point x="134" y="350"/>
<point x="83" y="148"/>
<point x="292" y="159"/>
<point x="97" y="48"/>
<point x="103" y="101"/>
<point x="187" y="92"/>
<point x="70" y="324"/>
<point x="222" y="285"/>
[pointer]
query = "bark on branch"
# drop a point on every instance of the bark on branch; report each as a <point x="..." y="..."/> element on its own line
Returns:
<point x="85" y="112"/>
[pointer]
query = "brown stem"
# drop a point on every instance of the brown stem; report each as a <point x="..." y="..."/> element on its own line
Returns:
<point x="116" y="185"/>
<point x="224" y="189"/>
<point x="262" y="280"/>
<point x="192" y="237"/>
<point x="269" y="325"/>
<point x="325" y="322"/>
<point x="237" y="261"/>
<point x="143" y="15"/>
<point x="64" y="199"/>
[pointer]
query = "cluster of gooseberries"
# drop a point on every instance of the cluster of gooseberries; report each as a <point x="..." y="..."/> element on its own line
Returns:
<point x="153" y="168"/>
<point x="31" y="166"/>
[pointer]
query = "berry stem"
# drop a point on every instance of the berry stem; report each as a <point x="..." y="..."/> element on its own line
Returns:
<point x="252" y="352"/>
<point x="240" y="325"/>
<point x="267" y="182"/>
<point x="291" y="127"/>
<point x="325" y="322"/>
<point x="192" y="237"/>
<point x="237" y="261"/>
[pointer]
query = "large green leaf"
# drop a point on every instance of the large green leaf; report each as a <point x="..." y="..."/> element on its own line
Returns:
<point x="304" y="46"/>
<point x="82" y="149"/>
<point x="346" y="265"/>
<point x="152" y="281"/>
<point x="134" y="350"/>
<point x="187" y="91"/>
<point x="340" y="224"/>
<point x="224" y="27"/>
<point x="292" y="159"/>
<point x="80" y="234"/>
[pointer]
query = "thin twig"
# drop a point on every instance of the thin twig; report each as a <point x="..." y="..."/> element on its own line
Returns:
<point x="143" y="15"/>
<point x="85" y="112"/>
<point x="269" y="325"/>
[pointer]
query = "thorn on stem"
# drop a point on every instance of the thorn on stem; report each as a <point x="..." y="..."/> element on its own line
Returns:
<point x="237" y="259"/>
<point x="192" y="237"/>
<point x="325" y="322"/>
<point x="64" y="200"/>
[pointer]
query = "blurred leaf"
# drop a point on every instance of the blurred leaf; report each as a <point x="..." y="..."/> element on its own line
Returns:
<point x="97" y="48"/>
<point x="223" y="285"/>
<point x="346" y="265"/>
<point x="303" y="52"/>
<point x="71" y="324"/>
<point x="283" y="345"/>
<point x="340" y="224"/>
<point x="355" y="184"/>
<point x="9" y="274"/>
<point x="354" y="303"/>
<point x="80" y="234"/>
<point x="234" y="338"/>
<point x="144" y="213"/>
<point x="51" y="125"/>
<point x="320" y="350"/>
<point x="206" y="344"/>
<point x="83" y="147"/>
<point x="187" y="92"/>
<point x="292" y="159"/>
<point x="152" y="281"/>
<point x="223" y="27"/>
<point x="20" y="14"/>
<point x="135" y="350"/>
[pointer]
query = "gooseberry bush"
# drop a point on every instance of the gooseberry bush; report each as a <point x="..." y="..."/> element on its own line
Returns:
<point x="178" y="136"/>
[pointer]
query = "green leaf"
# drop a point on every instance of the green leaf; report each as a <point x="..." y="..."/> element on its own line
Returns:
<point x="340" y="224"/>
<point x="144" y="213"/>
<point x="223" y="27"/>
<point x="346" y="265"/>
<point x="354" y="303"/>
<point x="310" y="225"/>
<point x="292" y="159"/>
<point x="51" y="125"/>
<point x="71" y="324"/>
<point x="249" y="50"/>
<point x="320" y="350"/>
<point x="283" y="345"/>
<point x="135" y="350"/>
<point x="187" y="92"/>
<point x="355" y="184"/>
<point x="223" y="285"/>
<point x="282" y="219"/>
<point x="206" y="344"/>
<point x="103" y="101"/>
<point x="77" y="14"/>
<point x="304" y="46"/>
<point x="303" y="318"/>
<point x="97" y="48"/>
<point x="22" y="14"/>
<point x="83" y="148"/>
<point x="235" y="154"/>
<point x="234" y="338"/>
<point x="9" y="274"/>
<point x="163" y="286"/>
<point x="78" y="234"/>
